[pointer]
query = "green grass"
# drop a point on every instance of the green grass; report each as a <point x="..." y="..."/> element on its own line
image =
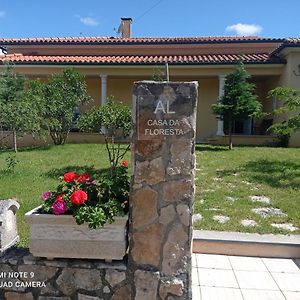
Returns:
<point x="240" y="173"/>
<point x="38" y="171"/>
<point x="244" y="172"/>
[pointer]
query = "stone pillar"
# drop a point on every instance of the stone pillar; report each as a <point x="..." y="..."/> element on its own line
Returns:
<point x="162" y="194"/>
<point x="220" y="130"/>
<point x="103" y="88"/>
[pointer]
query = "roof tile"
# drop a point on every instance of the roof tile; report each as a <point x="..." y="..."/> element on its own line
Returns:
<point x="138" y="59"/>
<point x="137" y="40"/>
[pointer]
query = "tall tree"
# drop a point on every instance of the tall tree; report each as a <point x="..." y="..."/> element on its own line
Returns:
<point x="18" y="111"/>
<point x="290" y="112"/>
<point x="239" y="101"/>
<point x="61" y="95"/>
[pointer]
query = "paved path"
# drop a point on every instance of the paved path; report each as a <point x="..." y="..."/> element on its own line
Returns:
<point x="222" y="277"/>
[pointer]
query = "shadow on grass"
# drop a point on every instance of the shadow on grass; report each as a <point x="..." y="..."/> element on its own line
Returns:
<point x="210" y="148"/>
<point x="26" y="149"/>
<point x="57" y="172"/>
<point x="280" y="174"/>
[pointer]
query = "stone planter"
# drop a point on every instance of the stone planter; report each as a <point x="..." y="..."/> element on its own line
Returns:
<point x="54" y="236"/>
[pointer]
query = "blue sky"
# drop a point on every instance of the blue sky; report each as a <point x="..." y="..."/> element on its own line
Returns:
<point x="52" y="18"/>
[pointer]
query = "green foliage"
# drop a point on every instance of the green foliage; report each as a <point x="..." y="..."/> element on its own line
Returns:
<point x="20" y="111"/>
<point x="239" y="101"/>
<point x="158" y="74"/>
<point x="106" y="197"/>
<point x="59" y="98"/>
<point x="113" y="120"/>
<point x="11" y="163"/>
<point x="290" y="99"/>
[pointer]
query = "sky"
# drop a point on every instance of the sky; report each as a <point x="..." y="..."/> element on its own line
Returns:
<point x="151" y="18"/>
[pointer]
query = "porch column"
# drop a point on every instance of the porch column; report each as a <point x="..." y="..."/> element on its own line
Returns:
<point x="220" y="130"/>
<point x="103" y="88"/>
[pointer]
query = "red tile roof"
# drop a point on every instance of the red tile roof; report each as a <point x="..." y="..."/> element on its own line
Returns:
<point x="138" y="59"/>
<point x="292" y="41"/>
<point x="136" y="40"/>
<point x="288" y="42"/>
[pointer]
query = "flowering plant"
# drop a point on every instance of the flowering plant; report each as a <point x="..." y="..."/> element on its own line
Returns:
<point x="89" y="199"/>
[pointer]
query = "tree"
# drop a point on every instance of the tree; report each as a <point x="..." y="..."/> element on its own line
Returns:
<point x="112" y="120"/>
<point x="290" y="123"/>
<point x="61" y="96"/>
<point x="19" y="111"/>
<point x="239" y="101"/>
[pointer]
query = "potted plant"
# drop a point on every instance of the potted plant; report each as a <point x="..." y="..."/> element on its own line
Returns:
<point x="85" y="216"/>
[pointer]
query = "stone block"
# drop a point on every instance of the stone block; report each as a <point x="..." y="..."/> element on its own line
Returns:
<point x="147" y="245"/>
<point x="184" y="214"/>
<point x="123" y="293"/>
<point x="87" y="297"/>
<point x="177" y="190"/>
<point x="152" y="171"/>
<point x="41" y="273"/>
<point x="167" y="214"/>
<point x="73" y="279"/>
<point x="146" y="284"/>
<point x="181" y="158"/>
<point x="175" y="253"/>
<point x="173" y="287"/>
<point x="144" y="207"/>
<point x="114" y="277"/>
<point x="146" y="149"/>
<point x="18" y="296"/>
<point x="8" y="224"/>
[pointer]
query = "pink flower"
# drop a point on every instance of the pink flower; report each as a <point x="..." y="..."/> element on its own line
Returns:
<point x="59" y="207"/>
<point x="45" y="196"/>
<point x="91" y="182"/>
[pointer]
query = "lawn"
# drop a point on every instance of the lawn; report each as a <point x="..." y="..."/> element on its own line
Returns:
<point x="227" y="179"/>
<point x="240" y="173"/>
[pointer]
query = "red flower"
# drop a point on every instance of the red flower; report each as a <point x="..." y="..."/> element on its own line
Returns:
<point x="125" y="163"/>
<point x="59" y="198"/>
<point x="83" y="177"/>
<point x="78" y="197"/>
<point x="70" y="176"/>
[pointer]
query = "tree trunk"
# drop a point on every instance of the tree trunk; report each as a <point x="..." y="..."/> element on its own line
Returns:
<point x="15" y="140"/>
<point x="230" y="134"/>
<point x="59" y="138"/>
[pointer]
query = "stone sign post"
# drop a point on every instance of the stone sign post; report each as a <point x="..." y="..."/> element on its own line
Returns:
<point x="162" y="195"/>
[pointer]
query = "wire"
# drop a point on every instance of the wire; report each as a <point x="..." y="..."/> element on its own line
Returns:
<point x="148" y="10"/>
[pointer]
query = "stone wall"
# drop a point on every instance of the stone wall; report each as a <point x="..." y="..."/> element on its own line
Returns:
<point x="23" y="277"/>
<point x="162" y="192"/>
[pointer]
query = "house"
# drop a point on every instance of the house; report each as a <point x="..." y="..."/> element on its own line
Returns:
<point x="112" y="64"/>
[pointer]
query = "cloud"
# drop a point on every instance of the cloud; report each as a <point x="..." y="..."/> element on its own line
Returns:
<point x="88" y="21"/>
<point x="245" y="29"/>
<point x="2" y="13"/>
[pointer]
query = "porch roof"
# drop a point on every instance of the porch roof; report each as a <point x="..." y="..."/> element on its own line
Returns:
<point x="203" y="59"/>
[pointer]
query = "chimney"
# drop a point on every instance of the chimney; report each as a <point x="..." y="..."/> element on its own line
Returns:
<point x="125" y="27"/>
